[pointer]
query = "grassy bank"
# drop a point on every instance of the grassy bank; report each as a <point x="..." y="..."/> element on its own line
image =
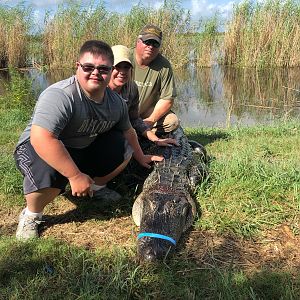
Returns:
<point x="254" y="181"/>
<point x="257" y="34"/>
<point x="244" y="245"/>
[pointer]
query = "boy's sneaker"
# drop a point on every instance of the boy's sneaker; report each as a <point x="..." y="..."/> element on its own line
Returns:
<point x="28" y="227"/>
<point x="106" y="196"/>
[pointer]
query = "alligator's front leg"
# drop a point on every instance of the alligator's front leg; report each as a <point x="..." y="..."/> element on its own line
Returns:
<point x="198" y="168"/>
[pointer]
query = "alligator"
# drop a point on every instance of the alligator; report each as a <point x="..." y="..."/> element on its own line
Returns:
<point x="166" y="207"/>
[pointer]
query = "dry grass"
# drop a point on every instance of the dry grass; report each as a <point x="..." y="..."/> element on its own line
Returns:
<point x="61" y="46"/>
<point x="277" y="249"/>
<point x="263" y="34"/>
<point x="14" y="36"/>
<point x="3" y="54"/>
<point x="16" y="44"/>
<point x="258" y="34"/>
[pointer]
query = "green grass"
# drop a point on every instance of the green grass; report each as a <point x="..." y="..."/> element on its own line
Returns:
<point x="253" y="186"/>
<point x="56" y="270"/>
<point x="254" y="179"/>
<point x="15" y="110"/>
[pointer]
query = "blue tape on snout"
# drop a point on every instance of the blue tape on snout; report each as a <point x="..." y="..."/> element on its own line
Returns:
<point x="157" y="236"/>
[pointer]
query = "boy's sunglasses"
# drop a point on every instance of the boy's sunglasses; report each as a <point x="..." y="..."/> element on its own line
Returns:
<point x="89" y="68"/>
<point x="152" y="43"/>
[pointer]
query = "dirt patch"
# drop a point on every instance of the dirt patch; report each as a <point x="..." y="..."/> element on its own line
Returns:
<point x="83" y="223"/>
<point x="93" y="227"/>
<point x="276" y="249"/>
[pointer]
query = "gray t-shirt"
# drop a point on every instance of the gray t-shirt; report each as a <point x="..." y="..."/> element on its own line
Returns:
<point x="73" y="118"/>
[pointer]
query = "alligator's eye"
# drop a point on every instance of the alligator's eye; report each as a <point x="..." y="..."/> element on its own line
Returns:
<point x="177" y="200"/>
<point x="185" y="210"/>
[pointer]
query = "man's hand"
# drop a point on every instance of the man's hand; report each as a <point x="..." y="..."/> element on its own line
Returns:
<point x="149" y="122"/>
<point x="145" y="160"/>
<point x="162" y="107"/>
<point x="81" y="185"/>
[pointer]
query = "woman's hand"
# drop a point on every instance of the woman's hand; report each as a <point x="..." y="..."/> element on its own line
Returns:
<point x="166" y="142"/>
<point x="146" y="160"/>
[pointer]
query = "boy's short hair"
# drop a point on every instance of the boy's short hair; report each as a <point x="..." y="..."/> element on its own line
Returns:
<point x="97" y="47"/>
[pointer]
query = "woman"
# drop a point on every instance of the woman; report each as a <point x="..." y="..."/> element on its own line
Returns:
<point x="122" y="83"/>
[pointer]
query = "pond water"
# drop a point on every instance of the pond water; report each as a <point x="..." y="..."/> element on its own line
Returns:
<point x="219" y="96"/>
<point x="222" y="97"/>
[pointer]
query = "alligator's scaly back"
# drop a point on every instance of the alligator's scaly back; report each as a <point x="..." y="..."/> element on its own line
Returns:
<point x="166" y="208"/>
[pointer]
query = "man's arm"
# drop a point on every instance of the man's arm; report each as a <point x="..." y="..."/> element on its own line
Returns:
<point x="161" y="108"/>
<point x="141" y="128"/>
<point x="54" y="153"/>
<point x="138" y="154"/>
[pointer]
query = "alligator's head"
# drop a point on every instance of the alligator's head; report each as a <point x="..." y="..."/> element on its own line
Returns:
<point x="163" y="219"/>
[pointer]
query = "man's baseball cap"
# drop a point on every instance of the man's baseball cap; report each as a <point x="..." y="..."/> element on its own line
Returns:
<point x="151" y="32"/>
<point x="121" y="53"/>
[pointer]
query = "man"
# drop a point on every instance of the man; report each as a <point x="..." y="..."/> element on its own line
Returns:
<point x="155" y="80"/>
<point x="76" y="135"/>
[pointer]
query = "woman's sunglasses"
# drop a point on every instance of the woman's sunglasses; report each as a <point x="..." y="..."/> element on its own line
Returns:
<point x="89" y="68"/>
<point x="152" y="43"/>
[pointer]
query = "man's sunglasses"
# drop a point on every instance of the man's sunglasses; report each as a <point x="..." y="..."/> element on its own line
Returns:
<point x="89" y="68"/>
<point x="152" y="43"/>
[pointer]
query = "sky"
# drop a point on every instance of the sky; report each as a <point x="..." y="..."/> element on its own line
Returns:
<point x="198" y="8"/>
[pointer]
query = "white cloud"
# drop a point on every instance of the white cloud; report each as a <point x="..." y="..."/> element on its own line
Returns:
<point x="208" y="8"/>
<point x="157" y="4"/>
<point x="114" y="4"/>
<point x="39" y="3"/>
<point x="198" y="8"/>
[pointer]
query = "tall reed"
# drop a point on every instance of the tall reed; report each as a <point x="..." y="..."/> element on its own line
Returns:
<point x="176" y="26"/>
<point x="174" y="22"/>
<point x="71" y="25"/>
<point x="15" y="26"/>
<point x="95" y="22"/>
<point x="206" y="42"/>
<point x="258" y="34"/>
<point x="263" y="34"/>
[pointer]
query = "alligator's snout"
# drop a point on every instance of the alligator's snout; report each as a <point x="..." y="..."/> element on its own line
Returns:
<point x="151" y="255"/>
<point x="152" y="249"/>
<point x="164" y="218"/>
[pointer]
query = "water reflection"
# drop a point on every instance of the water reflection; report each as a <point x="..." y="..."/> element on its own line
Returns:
<point x="222" y="96"/>
<point x="43" y="80"/>
<point x="217" y="96"/>
<point x="4" y="77"/>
